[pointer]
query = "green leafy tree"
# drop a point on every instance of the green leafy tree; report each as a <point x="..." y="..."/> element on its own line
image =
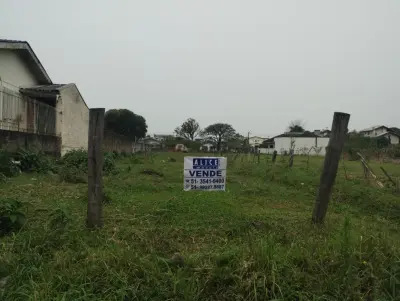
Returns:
<point x="219" y="132"/>
<point x="237" y="142"/>
<point x="296" y="126"/>
<point x="125" y="122"/>
<point x="189" y="130"/>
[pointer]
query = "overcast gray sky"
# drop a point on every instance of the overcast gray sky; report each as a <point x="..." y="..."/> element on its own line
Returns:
<point x="254" y="64"/>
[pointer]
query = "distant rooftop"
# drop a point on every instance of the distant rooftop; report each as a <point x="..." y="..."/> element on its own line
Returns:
<point x="297" y="134"/>
<point x="373" y="128"/>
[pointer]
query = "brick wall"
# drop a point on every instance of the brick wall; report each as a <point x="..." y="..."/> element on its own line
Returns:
<point x="13" y="140"/>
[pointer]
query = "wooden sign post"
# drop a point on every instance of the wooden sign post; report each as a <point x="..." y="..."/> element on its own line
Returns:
<point x="95" y="168"/>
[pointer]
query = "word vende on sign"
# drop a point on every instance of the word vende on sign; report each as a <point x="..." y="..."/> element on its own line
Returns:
<point x="204" y="173"/>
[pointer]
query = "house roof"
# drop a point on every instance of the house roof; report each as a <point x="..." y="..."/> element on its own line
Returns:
<point x="395" y="130"/>
<point x="270" y="140"/>
<point x="49" y="90"/>
<point x="305" y="134"/>
<point x="43" y="89"/>
<point x="257" y="137"/>
<point x="26" y="52"/>
<point x="387" y="133"/>
<point x="267" y="142"/>
<point x="373" y="128"/>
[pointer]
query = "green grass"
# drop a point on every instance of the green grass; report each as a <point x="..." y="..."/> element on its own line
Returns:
<point x="253" y="242"/>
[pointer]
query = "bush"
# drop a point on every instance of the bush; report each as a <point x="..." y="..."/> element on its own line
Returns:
<point x="395" y="152"/>
<point x="11" y="219"/>
<point x="3" y="178"/>
<point x="108" y="163"/>
<point x="72" y="174"/>
<point x="34" y="161"/>
<point x="78" y="160"/>
<point x="136" y="159"/>
<point x="7" y="167"/>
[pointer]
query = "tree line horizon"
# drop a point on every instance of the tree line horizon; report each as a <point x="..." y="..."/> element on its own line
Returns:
<point x="129" y="124"/>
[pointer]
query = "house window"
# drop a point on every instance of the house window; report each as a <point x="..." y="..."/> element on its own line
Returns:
<point x="12" y="108"/>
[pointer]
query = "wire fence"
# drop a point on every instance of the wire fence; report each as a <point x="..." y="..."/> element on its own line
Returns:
<point x="25" y="114"/>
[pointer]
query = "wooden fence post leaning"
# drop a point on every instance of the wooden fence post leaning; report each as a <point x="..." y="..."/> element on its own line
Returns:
<point x="331" y="163"/>
<point x="95" y="168"/>
<point x="291" y="157"/>
<point x="274" y="154"/>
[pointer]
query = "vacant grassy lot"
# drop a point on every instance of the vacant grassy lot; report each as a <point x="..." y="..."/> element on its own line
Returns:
<point x="253" y="242"/>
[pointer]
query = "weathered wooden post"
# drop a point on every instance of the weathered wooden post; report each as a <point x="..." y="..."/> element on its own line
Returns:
<point x="274" y="154"/>
<point x="291" y="157"/>
<point x="331" y="163"/>
<point x="95" y="168"/>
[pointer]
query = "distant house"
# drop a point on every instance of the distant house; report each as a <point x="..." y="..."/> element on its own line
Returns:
<point x="207" y="147"/>
<point x="34" y="107"/>
<point x="322" y="133"/>
<point x="163" y="137"/>
<point x="267" y="146"/>
<point x="256" y="141"/>
<point x="393" y="134"/>
<point x="147" y="144"/>
<point x="302" y="143"/>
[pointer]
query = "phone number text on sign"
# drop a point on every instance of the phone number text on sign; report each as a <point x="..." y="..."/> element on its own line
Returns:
<point x="204" y="173"/>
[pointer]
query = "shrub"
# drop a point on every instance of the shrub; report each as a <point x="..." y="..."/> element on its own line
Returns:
<point x="3" y="178"/>
<point x="76" y="158"/>
<point x="34" y="161"/>
<point x="108" y="163"/>
<point x="395" y="152"/>
<point x="11" y="218"/>
<point x="58" y="219"/>
<point x="7" y="167"/>
<point x="136" y="159"/>
<point x="72" y="174"/>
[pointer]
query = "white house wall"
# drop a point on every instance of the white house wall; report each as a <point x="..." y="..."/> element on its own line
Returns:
<point x="394" y="139"/>
<point x="254" y="141"/>
<point x="74" y="120"/>
<point x="264" y="150"/>
<point x="323" y="142"/>
<point x="377" y="132"/>
<point x="13" y="70"/>
<point x="302" y="144"/>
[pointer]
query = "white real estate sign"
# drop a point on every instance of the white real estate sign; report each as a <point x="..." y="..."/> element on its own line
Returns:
<point x="204" y="173"/>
